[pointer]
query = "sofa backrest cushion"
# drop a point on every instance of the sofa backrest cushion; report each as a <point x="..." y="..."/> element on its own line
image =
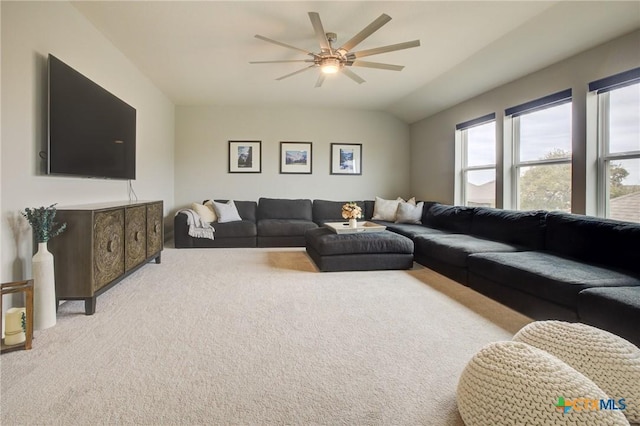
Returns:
<point x="331" y="211"/>
<point x="595" y="240"/>
<point x="425" y="210"/>
<point x="455" y="219"/>
<point x="281" y="208"/>
<point x="524" y="228"/>
<point x="246" y="209"/>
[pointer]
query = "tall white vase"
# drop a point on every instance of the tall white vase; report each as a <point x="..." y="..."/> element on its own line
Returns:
<point x="44" y="289"/>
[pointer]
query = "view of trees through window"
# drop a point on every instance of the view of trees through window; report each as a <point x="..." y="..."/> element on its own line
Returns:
<point x="544" y="159"/>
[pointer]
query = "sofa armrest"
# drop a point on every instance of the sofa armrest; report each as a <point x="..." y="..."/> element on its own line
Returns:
<point x="181" y="232"/>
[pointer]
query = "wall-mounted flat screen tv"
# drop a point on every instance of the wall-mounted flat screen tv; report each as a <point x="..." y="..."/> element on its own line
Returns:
<point x="92" y="133"/>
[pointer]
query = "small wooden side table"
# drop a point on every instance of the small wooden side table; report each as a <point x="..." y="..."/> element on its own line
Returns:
<point x="19" y="287"/>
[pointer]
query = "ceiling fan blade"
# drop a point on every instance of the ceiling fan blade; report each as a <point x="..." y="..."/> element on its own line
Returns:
<point x="321" y="78"/>
<point x="383" y="49"/>
<point x="366" y="32"/>
<point x="377" y="65"/>
<point x="296" y="72"/>
<point x="319" y="30"/>
<point x="279" y="43"/>
<point x="281" y="62"/>
<point x="352" y="75"/>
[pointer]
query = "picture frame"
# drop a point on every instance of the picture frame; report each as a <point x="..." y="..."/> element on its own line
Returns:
<point x="245" y="156"/>
<point x="346" y="158"/>
<point x="296" y="158"/>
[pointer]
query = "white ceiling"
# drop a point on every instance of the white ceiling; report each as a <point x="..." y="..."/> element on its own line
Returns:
<point x="198" y="53"/>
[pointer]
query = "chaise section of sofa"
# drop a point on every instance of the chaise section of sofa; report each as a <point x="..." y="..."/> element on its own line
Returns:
<point x="283" y="222"/>
<point x="579" y="252"/>
<point x="230" y="234"/>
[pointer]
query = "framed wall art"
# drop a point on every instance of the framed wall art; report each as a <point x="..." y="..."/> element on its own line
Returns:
<point x="296" y="157"/>
<point x="245" y="156"/>
<point x="346" y="158"/>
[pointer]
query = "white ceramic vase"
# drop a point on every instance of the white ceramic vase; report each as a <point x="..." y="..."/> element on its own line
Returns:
<point x="44" y="289"/>
<point x="353" y="223"/>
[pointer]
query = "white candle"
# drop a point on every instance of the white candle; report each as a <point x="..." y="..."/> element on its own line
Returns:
<point x="13" y="332"/>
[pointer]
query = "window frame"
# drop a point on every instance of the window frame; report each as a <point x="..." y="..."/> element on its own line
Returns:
<point x="605" y="157"/>
<point x="462" y="136"/>
<point x="512" y="115"/>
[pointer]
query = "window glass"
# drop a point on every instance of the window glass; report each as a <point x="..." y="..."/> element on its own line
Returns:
<point x="545" y="187"/>
<point x="481" y="188"/>
<point x="545" y="133"/>
<point x="624" y="119"/>
<point x="481" y="144"/>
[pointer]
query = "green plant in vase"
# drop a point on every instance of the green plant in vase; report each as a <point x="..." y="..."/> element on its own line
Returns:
<point x="41" y="221"/>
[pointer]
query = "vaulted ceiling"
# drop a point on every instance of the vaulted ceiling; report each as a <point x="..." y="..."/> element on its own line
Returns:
<point x="198" y="53"/>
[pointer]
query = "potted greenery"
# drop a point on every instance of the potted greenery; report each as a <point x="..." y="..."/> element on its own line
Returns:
<point x="44" y="292"/>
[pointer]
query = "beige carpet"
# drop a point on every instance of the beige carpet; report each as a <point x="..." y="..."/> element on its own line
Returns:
<point x="255" y="336"/>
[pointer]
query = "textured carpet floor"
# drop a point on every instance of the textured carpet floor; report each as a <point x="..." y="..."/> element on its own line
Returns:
<point x="255" y="336"/>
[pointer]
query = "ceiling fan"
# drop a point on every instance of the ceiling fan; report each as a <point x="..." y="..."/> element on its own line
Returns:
<point x="331" y="60"/>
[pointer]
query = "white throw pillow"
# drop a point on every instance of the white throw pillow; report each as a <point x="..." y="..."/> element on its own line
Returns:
<point x="227" y="212"/>
<point x="386" y="209"/>
<point x="209" y="204"/>
<point x="205" y="212"/>
<point x="409" y="213"/>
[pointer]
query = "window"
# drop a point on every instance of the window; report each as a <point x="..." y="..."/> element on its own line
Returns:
<point x="478" y="171"/>
<point x="619" y="145"/>
<point x="541" y="177"/>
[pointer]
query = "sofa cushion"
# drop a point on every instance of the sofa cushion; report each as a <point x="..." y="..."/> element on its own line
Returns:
<point x="455" y="248"/>
<point x="523" y="228"/>
<point x="409" y="229"/>
<point x="284" y="227"/>
<point x="238" y="229"/>
<point x="545" y="274"/>
<point x="455" y="219"/>
<point x="331" y="211"/>
<point x="616" y="309"/>
<point x="595" y="240"/>
<point x="280" y="208"/>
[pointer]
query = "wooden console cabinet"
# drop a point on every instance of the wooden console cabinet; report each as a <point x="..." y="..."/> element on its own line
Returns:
<point x="103" y="243"/>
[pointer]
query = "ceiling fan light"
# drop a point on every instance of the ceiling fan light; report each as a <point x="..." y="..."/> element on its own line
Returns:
<point x="330" y="66"/>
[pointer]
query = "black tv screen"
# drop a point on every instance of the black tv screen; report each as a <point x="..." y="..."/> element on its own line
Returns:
<point x="92" y="133"/>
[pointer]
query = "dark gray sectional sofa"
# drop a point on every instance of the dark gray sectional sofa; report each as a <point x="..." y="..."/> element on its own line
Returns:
<point x="547" y="265"/>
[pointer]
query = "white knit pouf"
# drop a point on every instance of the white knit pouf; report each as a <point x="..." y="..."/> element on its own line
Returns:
<point x="608" y="360"/>
<point x="512" y="383"/>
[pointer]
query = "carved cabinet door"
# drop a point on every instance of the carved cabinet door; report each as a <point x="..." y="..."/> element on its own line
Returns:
<point x="108" y="246"/>
<point x="154" y="228"/>
<point x="136" y="240"/>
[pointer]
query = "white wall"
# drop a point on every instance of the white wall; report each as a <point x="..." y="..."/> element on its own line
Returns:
<point x="202" y="135"/>
<point x="30" y="31"/>
<point x="432" y="139"/>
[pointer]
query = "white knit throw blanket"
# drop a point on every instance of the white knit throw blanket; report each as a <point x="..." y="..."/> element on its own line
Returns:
<point x="197" y="228"/>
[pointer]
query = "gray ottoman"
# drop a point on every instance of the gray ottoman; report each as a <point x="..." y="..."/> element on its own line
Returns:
<point x="358" y="252"/>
